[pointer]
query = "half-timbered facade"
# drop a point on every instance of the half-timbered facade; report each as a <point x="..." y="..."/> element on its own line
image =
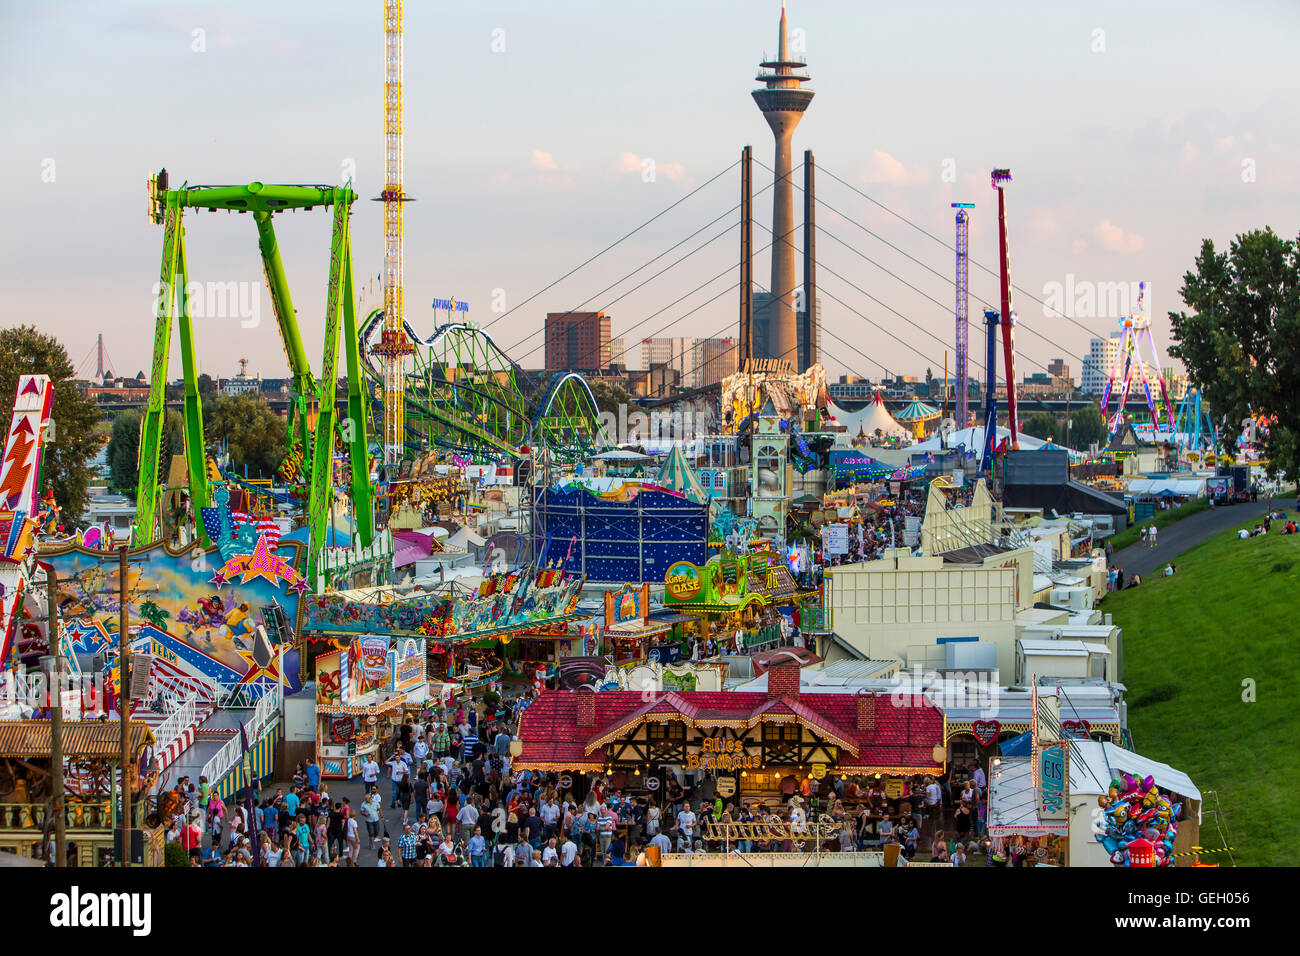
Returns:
<point x="765" y="736"/>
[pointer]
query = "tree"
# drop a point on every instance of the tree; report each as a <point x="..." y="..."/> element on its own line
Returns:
<point x="124" y="449"/>
<point x="609" y="397"/>
<point x="1087" y="426"/>
<point x="252" y="433"/>
<point x="66" y="460"/>
<point x="1241" y="341"/>
<point x="207" y="386"/>
<point x="1042" y="425"/>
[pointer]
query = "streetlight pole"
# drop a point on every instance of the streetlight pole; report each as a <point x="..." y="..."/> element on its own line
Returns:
<point x="56" y="720"/>
<point x="124" y="699"/>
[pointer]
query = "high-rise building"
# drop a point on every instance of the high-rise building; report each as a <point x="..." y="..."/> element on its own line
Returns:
<point x="1101" y="359"/>
<point x="715" y="359"/>
<point x="783" y="102"/>
<point x="677" y="353"/>
<point x="622" y="354"/>
<point x="577" y="341"/>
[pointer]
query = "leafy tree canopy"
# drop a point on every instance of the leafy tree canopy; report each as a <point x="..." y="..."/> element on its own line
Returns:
<point x="1240" y="341"/>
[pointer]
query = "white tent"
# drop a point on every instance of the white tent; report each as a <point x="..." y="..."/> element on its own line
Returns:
<point x="973" y="439"/>
<point x="874" y="417"/>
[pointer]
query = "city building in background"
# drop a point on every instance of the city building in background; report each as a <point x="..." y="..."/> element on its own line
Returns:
<point x="577" y="341"/>
<point x="715" y="359"/>
<point x="676" y="353"/>
<point x="622" y="354"/>
<point x="1101" y="359"/>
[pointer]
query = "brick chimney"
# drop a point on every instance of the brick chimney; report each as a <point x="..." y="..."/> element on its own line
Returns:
<point x="866" y="711"/>
<point x="586" y="707"/>
<point x="783" y="680"/>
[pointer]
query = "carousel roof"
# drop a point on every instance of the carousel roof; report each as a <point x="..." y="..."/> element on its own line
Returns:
<point x="678" y="475"/>
<point x="918" y="411"/>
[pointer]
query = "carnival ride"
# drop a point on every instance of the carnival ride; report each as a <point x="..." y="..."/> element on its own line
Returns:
<point x="465" y="395"/>
<point x="1000" y="177"/>
<point x="1129" y="356"/>
<point x="22" y="512"/>
<point x="1193" y="416"/>
<point x="961" y="310"/>
<point x="394" y="347"/>
<point x="310" y="394"/>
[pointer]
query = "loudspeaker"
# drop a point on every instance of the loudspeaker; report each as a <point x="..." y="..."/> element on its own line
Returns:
<point x="137" y="845"/>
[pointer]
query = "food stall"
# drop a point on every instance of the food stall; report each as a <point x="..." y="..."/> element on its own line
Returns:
<point x="629" y="629"/>
<point x="361" y="692"/>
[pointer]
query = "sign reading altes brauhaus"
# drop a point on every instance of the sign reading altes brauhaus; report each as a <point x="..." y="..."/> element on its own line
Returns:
<point x="718" y="753"/>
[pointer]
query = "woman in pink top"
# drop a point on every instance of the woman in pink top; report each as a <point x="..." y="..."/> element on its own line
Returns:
<point x="321" y="840"/>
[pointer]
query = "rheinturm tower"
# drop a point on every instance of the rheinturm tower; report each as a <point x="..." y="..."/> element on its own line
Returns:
<point x="783" y="102"/>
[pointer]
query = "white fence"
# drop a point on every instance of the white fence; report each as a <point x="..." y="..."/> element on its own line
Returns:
<point x="184" y="716"/>
<point x="266" y="712"/>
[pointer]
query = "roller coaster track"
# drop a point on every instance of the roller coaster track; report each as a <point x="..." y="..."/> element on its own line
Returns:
<point x="503" y="418"/>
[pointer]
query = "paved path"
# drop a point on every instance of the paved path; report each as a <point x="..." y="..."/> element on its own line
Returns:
<point x="1172" y="540"/>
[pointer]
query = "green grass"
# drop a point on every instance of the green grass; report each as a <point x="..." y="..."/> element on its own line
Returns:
<point x="1190" y="641"/>
<point x="1161" y="518"/>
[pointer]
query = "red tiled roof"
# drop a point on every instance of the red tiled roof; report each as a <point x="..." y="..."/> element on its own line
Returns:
<point x="904" y="735"/>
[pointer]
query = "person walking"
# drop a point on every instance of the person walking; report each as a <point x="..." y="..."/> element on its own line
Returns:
<point x="1151" y="536"/>
<point x="371" y="812"/>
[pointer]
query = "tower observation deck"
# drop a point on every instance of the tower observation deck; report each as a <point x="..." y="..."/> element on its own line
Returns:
<point x="783" y="101"/>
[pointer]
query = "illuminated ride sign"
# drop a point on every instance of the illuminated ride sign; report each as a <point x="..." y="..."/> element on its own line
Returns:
<point x="683" y="581"/>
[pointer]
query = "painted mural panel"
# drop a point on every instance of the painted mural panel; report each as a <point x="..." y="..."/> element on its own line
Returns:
<point x="220" y="626"/>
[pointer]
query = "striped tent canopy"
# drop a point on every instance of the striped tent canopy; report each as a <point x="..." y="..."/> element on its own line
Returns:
<point x="918" y="411"/>
<point x="678" y="475"/>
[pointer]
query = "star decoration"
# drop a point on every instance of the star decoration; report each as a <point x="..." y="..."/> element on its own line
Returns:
<point x="255" y="672"/>
<point x="219" y="579"/>
<point x="262" y="564"/>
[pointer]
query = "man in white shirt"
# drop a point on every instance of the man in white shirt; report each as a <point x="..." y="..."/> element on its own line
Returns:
<point x="370" y="772"/>
<point x="933" y="800"/>
<point x="685" y="828"/>
<point x="397" y="772"/>
<point x="550" y="856"/>
<point x="978" y="777"/>
<point x="1151" y="535"/>
<point x="568" y="852"/>
<point x="550" y="814"/>
<point x="468" y="817"/>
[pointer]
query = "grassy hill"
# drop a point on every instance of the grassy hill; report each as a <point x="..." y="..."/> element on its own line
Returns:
<point x="1226" y="616"/>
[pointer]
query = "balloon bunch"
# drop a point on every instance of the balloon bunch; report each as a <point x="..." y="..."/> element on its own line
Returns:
<point x="1138" y="823"/>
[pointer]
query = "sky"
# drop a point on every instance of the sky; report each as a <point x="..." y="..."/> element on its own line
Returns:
<point x="537" y="133"/>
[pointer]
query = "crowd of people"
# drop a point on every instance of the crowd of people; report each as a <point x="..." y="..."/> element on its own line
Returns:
<point x="448" y="772"/>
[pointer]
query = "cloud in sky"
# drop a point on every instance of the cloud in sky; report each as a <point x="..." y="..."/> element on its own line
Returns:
<point x="1115" y="239"/>
<point x="884" y="168"/>
<point x="543" y="160"/>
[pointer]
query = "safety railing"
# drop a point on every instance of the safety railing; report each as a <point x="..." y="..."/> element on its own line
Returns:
<point x="182" y="718"/>
<point x="265" y="713"/>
